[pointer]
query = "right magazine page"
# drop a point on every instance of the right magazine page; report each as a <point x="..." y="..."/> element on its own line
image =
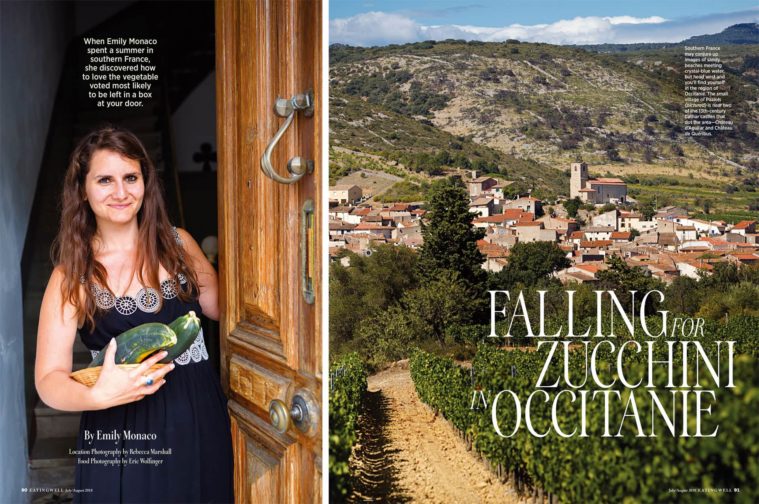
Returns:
<point x="544" y="256"/>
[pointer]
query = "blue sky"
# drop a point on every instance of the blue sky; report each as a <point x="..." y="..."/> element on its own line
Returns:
<point x="379" y="22"/>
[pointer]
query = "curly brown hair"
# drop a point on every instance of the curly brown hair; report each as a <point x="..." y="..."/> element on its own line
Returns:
<point x="72" y="249"/>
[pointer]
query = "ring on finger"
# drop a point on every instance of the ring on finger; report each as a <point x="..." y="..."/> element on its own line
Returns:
<point x="148" y="381"/>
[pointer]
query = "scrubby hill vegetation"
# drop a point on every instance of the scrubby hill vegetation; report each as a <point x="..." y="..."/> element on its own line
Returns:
<point x="527" y="110"/>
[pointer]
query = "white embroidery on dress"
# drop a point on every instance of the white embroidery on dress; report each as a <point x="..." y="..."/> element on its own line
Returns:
<point x="196" y="353"/>
<point x="146" y="299"/>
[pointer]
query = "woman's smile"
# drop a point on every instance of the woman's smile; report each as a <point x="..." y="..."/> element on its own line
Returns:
<point x="114" y="187"/>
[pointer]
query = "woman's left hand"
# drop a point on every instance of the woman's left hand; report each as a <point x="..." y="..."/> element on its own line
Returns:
<point x="116" y="386"/>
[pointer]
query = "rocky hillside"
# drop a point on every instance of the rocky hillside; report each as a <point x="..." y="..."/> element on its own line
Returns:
<point x="528" y="110"/>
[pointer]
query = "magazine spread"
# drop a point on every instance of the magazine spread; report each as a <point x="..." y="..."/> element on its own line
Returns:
<point x="399" y="251"/>
<point x="543" y="252"/>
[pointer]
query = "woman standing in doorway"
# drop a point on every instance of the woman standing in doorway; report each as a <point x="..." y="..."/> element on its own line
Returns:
<point x="144" y="437"/>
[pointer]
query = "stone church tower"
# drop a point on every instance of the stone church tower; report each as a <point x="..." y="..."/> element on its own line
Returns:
<point x="578" y="178"/>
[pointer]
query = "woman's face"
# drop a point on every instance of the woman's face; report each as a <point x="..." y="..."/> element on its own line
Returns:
<point x="114" y="187"/>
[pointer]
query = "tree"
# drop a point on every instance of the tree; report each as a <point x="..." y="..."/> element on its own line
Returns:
<point x="572" y="206"/>
<point x="648" y="211"/>
<point x="387" y="335"/>
<point x="450" y="240"/>
<point x="438" y="304"/>
<point x="723" y="276"/>
<point x="623" y="278"/>
<point x="683" y="296"/>
<point x="369" y="285"/>
<point x="529" y="263"/>
<point x="740" y="299"/>
<point x="707" y="206"/>
<point x="613" y="154"/>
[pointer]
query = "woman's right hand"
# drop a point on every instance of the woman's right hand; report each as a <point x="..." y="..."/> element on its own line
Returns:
<point x="116" y="386"/>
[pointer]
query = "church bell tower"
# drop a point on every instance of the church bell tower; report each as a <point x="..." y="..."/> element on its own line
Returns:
<point x="578" y="178"/>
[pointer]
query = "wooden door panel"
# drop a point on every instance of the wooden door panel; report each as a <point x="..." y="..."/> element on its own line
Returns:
<point x="271" y="341"/>
<point x="260" y="466"/>
<point x="256" y="384"/>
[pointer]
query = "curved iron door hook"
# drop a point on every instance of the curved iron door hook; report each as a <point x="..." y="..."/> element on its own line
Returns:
<point x="297" y="166"/>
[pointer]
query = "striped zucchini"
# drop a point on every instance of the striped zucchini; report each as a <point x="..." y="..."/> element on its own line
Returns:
<point x="136" y="344"/>
<point x="186" y="328"/>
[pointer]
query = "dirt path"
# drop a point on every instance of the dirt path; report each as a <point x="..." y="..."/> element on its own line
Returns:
<point x="407" y="454"/>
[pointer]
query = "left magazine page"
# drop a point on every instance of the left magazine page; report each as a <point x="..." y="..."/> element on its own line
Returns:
<point x="109" y="232"/>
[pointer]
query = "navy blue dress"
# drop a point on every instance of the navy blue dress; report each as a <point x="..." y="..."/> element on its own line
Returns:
<point x="187" y="456"/>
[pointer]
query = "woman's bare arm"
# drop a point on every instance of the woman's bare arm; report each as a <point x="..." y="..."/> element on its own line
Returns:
<point x="55" y="349"/>
<point x="207" y="278"/>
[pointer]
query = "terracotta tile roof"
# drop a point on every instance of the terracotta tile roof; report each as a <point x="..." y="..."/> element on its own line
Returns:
<point x="595" y="243"/>
<point x="590" y="267"/>
<point x="516" y="213"/>
<point x="714" y="240"/>
<point x="491" y="250"/>
<point x="744" y="224"/>
<point x="620" y="235"/>
<point x="400" y="207"/>
<point x="746" y="257"/>
<point x="577" y="235"/>
<point x="607" y="181"/>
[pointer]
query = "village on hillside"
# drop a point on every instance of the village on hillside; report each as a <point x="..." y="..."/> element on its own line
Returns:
<point x="668" y="244"/>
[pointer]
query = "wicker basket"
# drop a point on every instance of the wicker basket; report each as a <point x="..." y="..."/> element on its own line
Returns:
<point x="88" y="376"/>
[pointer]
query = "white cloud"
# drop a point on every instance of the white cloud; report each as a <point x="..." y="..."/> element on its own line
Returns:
<point x="379" y="28"/>
<point x="633" y="20"/>
<point x="374" y="28"/>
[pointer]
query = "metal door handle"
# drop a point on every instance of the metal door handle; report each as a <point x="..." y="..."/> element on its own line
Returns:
<point x="297" y="166"/>
<point x="281" y="417"/>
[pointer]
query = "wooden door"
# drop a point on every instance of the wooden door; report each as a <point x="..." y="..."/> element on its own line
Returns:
<point x="270" y="245"/>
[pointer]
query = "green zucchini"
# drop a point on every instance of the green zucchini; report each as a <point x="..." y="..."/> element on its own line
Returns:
<point x="186" y="328"/>
<point x="136" y="344"/>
